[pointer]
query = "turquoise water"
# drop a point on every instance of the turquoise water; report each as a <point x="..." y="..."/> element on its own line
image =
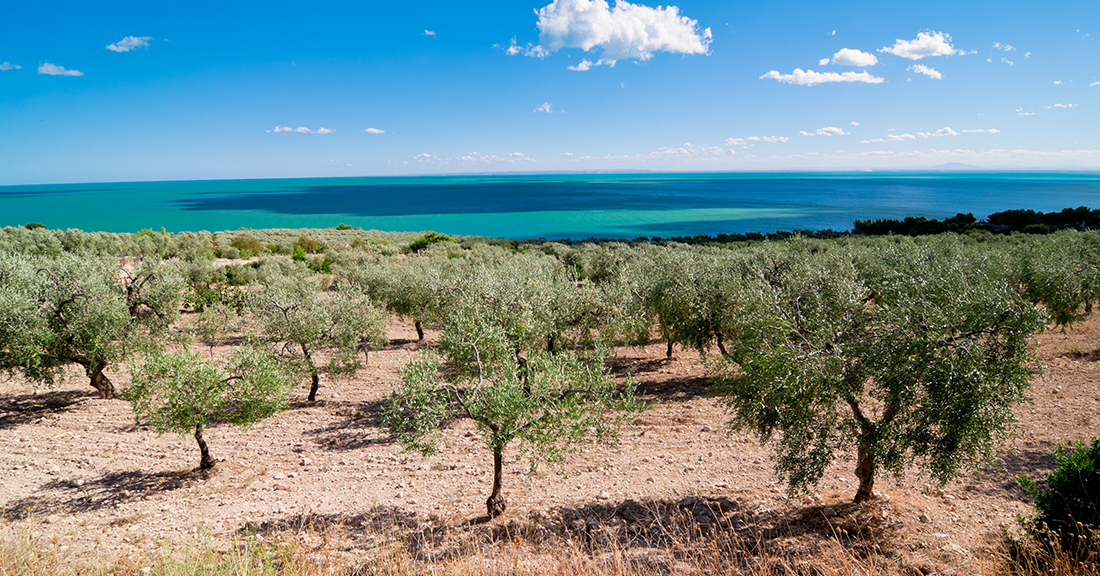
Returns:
<point x="548" y="206"/>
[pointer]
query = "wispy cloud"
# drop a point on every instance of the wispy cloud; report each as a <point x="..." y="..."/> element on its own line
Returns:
<point x="754" y="139"/>
<point x="926" y="43"/>
<point x="1020" y="112"/>
<point x="530" y="49"/>
<point x="300" y="130"/>
<point x="374" y="131"/>
<point x="850" y="57"/>
<point x="1061" y="106"/>
<point x="584" y="66"/>
<point x="430" y="33"/>
<point x="544" y="107"/>
<point x="891" y="138"/>
<point x="810" y="78"/>
<point x="55" y="70"/>
<point x="941" y="132"/>
<point x="826" y="131"/>
<point x="1004" y="47"/>
<point x="1090" y="85"/>
<point x="926" y="70"/>
<point x="1057" y="82"/>
<point x="1007" y="61"/>
<point x="853" y="123"/>
<point x="9" y="66"/>
<point x="130" y="43"/>
<point x="476" y="158"/>
<point x="986" y="130"/>
<point x="627" y="31"/>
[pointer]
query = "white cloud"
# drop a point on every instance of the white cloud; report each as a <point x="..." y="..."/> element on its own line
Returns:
<point x="850" y="57"/>
<point x="941" y="132"/>
<point x="55" y="70"/>
<point x="774" y="139"/>
<point x="926" y="70"/>
<point x="544" y="107"/>
<point x="281" y="129"/>
<point x="826" y="131"/>
<point x="130" y="43"/>
<point x="528" y="50"/>
<point x="986" y="130"/>
<point x="584" y="66"/>
<point x="566" y="153"/>
<point x="1090" y="85"/>
<point x="301" y="130"/>
<point x="1028" y="55"/>
<point x="1057" y="82"/>
<point x="892" y="138"/>
<point x="768" y="139"/>
<point x="925" y="44"/>
<point x="474" y="157"/>
<point x="516" y="154"/>
<point x="1007" y="61"/>
<point x="810" y="78"/>
<point x="854" y="124"/>
<point x="625" y="31"/>
<point x="1004" y="47"/>
<point x="430" y="33"/>
<point x="823" y="62"/>
<point x="1062" y="106"/>
<point x="374" y="131"/>
<point x="323" y="130"/>
<point x="9" y="66"/>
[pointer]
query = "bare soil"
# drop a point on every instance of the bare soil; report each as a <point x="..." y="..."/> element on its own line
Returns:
<point x="80" y="471"/>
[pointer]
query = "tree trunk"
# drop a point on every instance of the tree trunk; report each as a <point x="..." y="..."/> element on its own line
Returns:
<point x="419" y="330"/>
<point x="314" y="385"/>
<point x="205" y="461"/>
<point x="550" y="343"/>
<point x="721" y="344"/>
<point x="865" y="471"/>
<point x="668" y="351"/>
<point x="496" y="503"/>
<point x="101" y="382"/>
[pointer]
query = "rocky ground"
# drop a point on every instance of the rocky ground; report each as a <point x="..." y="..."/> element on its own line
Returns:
<point x="80" y="472"/>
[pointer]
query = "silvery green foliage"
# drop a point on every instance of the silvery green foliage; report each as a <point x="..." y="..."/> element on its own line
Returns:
<point x="1062" y="272"/>
<point x="181" y="393"/>
<point x="909" y="353"/>
<point x="69" y="309"/>
<point x="319" y="332"/>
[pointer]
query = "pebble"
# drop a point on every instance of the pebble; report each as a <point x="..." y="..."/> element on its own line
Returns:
<point x="925" y="518"/>
<point x="605" y="495"/>
<point x="55" y="469"/>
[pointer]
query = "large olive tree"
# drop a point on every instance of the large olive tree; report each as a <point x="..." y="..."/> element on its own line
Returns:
<point x="909" y="353"/>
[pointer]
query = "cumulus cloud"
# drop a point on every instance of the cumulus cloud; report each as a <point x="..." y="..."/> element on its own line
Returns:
<point x="941" y="132"/>
<point x="374" y="131"/>
<point x="891" y="138"/>
<point x="986" y="130"/>
<point x="1057" y="82"/>
<point x="1020" y="112"/>
<point x="1007" y="61"/>
<point x="1062" y="106"/>
<point x="528" y="50"/>
<point x="55" y="70"/>
<point x="745" y="141"/>
<point x="625" y="31"/>
<point x="9" y="66"/>
<point x="925" y="44"/>
<point x="1004" y="47"/>
<point x="323" y="130"/>
<point x="430" y="33"/>
<point x="544" y="107"/>
<point x="584" y="66"/>
<point x="810" y="78"/>
<point x="854" y="123"/>
<point x="130" y="43"/>
<point x="850" y="57"/>
<point x="566" y="153"/>
<point x="926" y="70"/>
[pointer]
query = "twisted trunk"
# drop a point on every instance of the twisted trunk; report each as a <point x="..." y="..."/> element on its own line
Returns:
<point x="419" y="330"/>
<point x="101" y="382"/>
<point x="205" y="461"/>
<point x="315" y="378"/>
<point x="865" y="471"/>
<point x="721" y="344"/>
<point x="496" y="503"/>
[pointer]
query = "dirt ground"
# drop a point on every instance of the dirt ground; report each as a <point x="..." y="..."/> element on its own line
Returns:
<point x="80" y="472"/>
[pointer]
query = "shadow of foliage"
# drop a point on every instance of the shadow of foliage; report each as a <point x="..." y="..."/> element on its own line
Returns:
<point x="107" y="491"/>
<point x="23" y="409"/>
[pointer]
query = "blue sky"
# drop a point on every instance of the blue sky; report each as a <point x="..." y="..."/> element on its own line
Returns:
<point x="120" y="91"/>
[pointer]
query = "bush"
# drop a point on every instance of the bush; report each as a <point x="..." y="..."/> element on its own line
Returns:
<point x="34" y="225"/>
<point x="248" y="245"/>
<point x="418" y="244"/>
<point x="1069" y="504"/>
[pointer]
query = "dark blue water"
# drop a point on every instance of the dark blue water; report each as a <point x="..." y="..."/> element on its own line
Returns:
<point x="549" y="206"/>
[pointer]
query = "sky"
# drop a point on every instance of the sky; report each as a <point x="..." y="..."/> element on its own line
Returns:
<point x="132" y="91"/>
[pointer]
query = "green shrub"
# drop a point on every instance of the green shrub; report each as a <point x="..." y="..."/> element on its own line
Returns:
<point x="33" y="225"/>
<point x="248" y="245"/>
<point x="299" y="253"/>
<point x="309" y="244"/>
<point x="1069" y="504"/>
<point x="428" y="239"/>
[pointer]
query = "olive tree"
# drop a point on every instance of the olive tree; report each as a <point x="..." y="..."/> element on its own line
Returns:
<point x="1061" y="272"/>
<point x="319" y="332"/>
<point x="83" y="310"/>
<point x="911" y="354"/>
<point x="179" y="392"/>
<point x="417" y="288"/>
<point x="549" y="402"/>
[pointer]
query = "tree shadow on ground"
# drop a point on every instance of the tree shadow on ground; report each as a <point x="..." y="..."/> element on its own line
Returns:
<point x="17" y="410"/>
<point x="107" y="491"/>
<point x="676" y="390"/>
<point x="360" y="427"/>
<point x="1093" y="356"/>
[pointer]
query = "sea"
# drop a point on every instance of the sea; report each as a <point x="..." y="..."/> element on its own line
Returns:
<point x="552" y="206"/>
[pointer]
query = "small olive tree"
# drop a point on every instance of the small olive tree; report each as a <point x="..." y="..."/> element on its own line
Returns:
<point x="181" y="393"/>
<point x="551" y="403"/>
<point x="912" y="354"/>
<point x="306" y="323"/>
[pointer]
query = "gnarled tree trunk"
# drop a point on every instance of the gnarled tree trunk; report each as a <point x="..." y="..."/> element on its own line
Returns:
<point x="315" y="378"/>
<point x="721" y="344"/>
<point x="419" y="330"/>
<point x="101" y="382"/>
<point x="668" y="351"/>
<point x="205" y="461"/>
<point x="496" y="502"/>
<point x="865" y="471"/>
